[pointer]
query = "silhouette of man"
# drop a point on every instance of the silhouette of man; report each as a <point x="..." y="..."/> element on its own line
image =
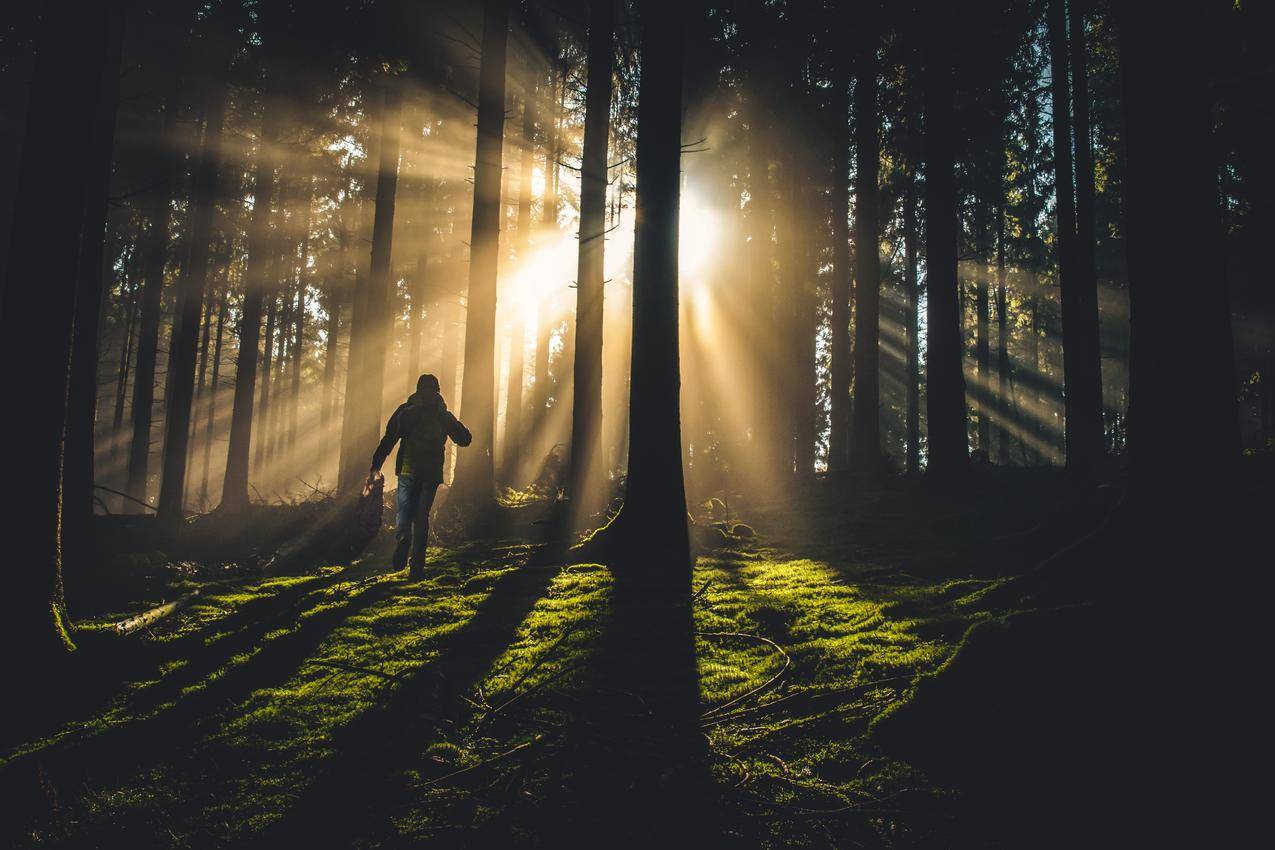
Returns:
<point x="423" y="424"/>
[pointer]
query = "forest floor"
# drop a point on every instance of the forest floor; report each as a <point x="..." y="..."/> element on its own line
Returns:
<point x="349" y="706"/>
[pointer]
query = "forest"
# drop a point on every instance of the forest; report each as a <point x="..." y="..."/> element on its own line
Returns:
<point x="590" y="423"/>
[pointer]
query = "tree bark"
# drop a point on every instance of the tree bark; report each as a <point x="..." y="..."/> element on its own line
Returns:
<point x="1081" y="360"/>
<point x="911" y="288"/>
<point x="653" y="519"/>
<point x="379" y="282"/>
<point x="234" y="491"/>
<point x="36" y="318"/>
<point x="1174" y="447"/>
<point x="475" y="469"/>
<point x="183" y="349"/>
<point x="945" y="380"/>
<point x="586" y="412"/>
<point x="517" y="343"/>
<point x="865" y="437"/>
<point x="840" y="351"/>
<point x="982" y="318"/>
<point x="155" y="258"/>
<point x="78" y="461"/>
<point x="214" y="387"/>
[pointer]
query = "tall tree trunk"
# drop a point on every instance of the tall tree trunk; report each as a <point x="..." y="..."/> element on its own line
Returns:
<point x="761" y="227"/>
<point x="1174" y="446"/>
<point x="839" y="342"/>
<point x="214" y="387"/>
<point x="982" y="321"/>
<point x="155" y="258"/>
<point x="353" y="464"/>
<point x="416" y="316"/>
<point x="299" y="313"/>
<point x="475" y="469"/>
<point x="912" y="301"/>
<point x="36" y="317"/>
<point x="1086" y="262"/>
<point x="126" y="356"/>
<point x="336" y="295"/>
<point x="264" y="410"/>
<point x="379" y="281"/>
<point x="190" y="298"/>
<point x="945" y="379"/>
<point x="653" y="519"/>
<point x="1081" y="360"/>
<point x="1004" y="390"/>
<point x="517" y="343"/>
<point x="865" y="437"/>
<point x="586" y="412"/>
<point x="78" y="461"/>
<point x="234" y="491"/>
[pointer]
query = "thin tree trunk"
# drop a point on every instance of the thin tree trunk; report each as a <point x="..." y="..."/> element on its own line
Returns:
<point x="190" y="298"/>
<point x="586" y="411"/>
<point x="416" y="316"/>
<point x="353" y="464"/>
<point x="126" y="358"/>
<point x="945" y="380"/>
<point x="865" y="437"/>
<point x="155" y="258"/>
<point x="1086" y="262"/>
<point x="514" y="404"/>
<point x="475" y="469"/>
<point x="298" y="339"/>
<point x="912" y="301"/>
<point x="982" y="319"/>
<point x="840" y="351"/>
<point x="1081" y="360"/>
<point x="1003" y="329"/>
<point x="234" y="491"/>
<point x="214" y="388"/>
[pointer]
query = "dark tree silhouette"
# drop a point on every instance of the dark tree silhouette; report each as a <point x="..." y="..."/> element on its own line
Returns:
<point x="1081" y="365"/>
<point x="475" y="469"/>
<point x="234" y="491"/>
<point x="183" y="348"/>
<point x="653" y="519"/>
<point x="945" y="381"/>
<point x="40" y="280"/>
<point x="865" y="437"/>
<point x="586" y="412"/>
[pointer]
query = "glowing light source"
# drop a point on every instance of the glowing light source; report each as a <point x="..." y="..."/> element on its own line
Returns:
<point x="697" y="239"/>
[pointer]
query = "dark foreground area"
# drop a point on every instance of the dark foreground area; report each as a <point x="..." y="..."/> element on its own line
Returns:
<point x="893" y="667"/>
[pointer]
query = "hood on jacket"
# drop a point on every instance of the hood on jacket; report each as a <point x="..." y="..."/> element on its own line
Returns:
<point x="427" y="400"/>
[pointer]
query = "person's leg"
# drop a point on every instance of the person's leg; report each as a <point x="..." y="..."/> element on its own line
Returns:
<point x="420" y="527"/>
<point x="406" y="497"/>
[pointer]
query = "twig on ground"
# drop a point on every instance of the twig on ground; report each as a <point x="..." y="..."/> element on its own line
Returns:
<point x="506" y="754"/>
<point x="798" y="697"/>
<point x="769" y="683"/>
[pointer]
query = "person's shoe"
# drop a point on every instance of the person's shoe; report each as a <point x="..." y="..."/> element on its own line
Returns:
<point x="400" y="554"/>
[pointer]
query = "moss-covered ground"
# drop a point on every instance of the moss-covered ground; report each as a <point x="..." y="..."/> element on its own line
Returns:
<point x="354" y="705"/>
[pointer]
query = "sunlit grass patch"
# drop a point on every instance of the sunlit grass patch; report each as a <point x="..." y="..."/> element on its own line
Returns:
<point x="797" y="743"/>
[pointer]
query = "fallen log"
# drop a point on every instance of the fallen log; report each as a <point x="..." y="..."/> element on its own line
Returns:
<point x="159" y="612"/>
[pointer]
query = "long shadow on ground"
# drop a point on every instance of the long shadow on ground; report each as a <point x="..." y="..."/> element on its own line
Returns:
<point x="361" y="785"/>
<point x="635" y="758"/>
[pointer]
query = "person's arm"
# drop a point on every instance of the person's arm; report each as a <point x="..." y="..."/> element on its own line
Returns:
<point x="459" y="433"/>
<point x="386" y="445"/>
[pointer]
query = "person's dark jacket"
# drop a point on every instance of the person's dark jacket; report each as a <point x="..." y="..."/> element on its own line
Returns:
<point x="423" y="424"/>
